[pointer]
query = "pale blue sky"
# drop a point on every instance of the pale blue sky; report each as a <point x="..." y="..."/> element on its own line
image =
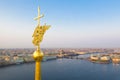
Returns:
<point x="74" y="23"/>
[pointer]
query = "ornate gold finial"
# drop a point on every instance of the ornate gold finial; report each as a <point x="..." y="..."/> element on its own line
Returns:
<point x="39" y="31"/>
<point x="37" y="39"/>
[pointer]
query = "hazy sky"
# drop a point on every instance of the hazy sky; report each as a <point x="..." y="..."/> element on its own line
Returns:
<point x="74" y="23"/>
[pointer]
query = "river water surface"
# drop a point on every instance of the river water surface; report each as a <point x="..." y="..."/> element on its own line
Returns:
<point x="63" y="69"/>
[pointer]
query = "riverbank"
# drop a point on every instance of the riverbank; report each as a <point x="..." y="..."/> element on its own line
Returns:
<point x="100" y="58"/>
<point x="23" y="61"/>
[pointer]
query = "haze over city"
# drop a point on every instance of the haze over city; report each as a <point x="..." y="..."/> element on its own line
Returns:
<point x="74" y="23"/>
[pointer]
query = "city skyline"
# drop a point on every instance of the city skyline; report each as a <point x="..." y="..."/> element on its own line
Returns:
<point x="74" y="23"/>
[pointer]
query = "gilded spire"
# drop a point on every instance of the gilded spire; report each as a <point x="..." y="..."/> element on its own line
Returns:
<point x="37" y="39"/>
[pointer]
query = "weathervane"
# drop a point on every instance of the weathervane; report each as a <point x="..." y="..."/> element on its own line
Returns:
<point x="37" y="39"/>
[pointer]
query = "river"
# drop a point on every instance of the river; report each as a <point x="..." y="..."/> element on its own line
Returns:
<point x="63" y="69"/>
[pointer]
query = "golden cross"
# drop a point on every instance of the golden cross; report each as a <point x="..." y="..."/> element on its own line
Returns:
<point x="39" y="16"/>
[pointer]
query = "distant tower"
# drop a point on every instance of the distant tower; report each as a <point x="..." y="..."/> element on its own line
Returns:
<point x="37" y="39"/>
